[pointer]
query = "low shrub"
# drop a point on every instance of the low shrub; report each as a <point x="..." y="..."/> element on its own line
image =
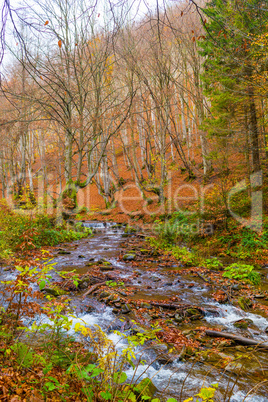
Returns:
<point x="20" y="231"/>
<point x="242" y="272"/>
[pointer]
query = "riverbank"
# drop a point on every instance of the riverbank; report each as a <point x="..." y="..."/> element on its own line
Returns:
<point x="121" y="277"/>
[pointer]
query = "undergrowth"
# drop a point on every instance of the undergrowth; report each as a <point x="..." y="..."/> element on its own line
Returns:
<point x="21" y="231"/>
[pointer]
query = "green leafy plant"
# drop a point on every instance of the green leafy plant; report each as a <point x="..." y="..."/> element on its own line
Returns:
<point x="242" y="272"/>
<point x="213" y="263"/>
<point x="113" y="284"/>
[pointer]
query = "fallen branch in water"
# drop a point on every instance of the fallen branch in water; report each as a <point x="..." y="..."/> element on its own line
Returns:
<point x="170" y="306"/>
<point x="178" y="306"/>
<point x="239" y="339"/>
<point x="203" y="278"/>
<point x="90" y="290"/>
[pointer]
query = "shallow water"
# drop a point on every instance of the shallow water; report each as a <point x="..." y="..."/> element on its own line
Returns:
<point x="168" y="378"/>
<point x="171" y="377"/>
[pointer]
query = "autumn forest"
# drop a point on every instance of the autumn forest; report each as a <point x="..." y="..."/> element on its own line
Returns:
<point x="133" y="211"/>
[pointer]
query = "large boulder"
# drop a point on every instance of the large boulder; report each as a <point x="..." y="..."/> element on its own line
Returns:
<point x="145" y="388"/>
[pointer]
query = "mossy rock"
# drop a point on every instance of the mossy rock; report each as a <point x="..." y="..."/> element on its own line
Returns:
<point x="105" y="262"/>
<point x="129" y="257"/>
<point x="145" y="388"/>
<point x="245" y="303"/>
<point x="193" y="313"/>
<point x="55" y="291"/>
<point x="243" y="324"/>
<point x="235" y="367"/>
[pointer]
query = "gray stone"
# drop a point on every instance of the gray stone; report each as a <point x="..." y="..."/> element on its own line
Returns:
<point x="129" y="257"/>
<point x="126" y="309"/>
<point x="104" y="294"/>
<point x="145" y="388"/>
<point x="234" y="367"/>
<point x="178" y="318"/>
<point x="145" y="305"/>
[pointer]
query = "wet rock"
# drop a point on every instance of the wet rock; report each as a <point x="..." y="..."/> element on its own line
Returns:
<point x="64" y="252"/>
<point x="129" y="257"/>
<point x="240" y="348"/>
<point x="104" y="294"/>
<point x="193" y="313"/>
<point x="191" y="285"/>
<point x="145" y="305"/>
<point x="126" y="309"/>
<point x="156" y="279"/>
<point x="259" y="296"/>
<point x="83" y="285"/>
<point x="234" y="367"/>
<point x="178" y="318"/>
<point x="215" y="357"/>
<point x="90" y="264"/>
<point x="243" y="323"/>
<point x="213" y="312"/>
<point x="106" y="268"/>
<point x="55" y="291"/>
<point x="245" y="303"/>
<point x="167" y="284"/>
<point x="224" y="343"/>
<point x="122" y="293"/>
<point x="116" y="299"/>
<point x="146" y="317"/>
<point x="117" y="305"/>
<point x="103" y="261"/>
<point x="236" y="287"/>
<point x="187" y="332"/>
<point x="145" y="388"/>
<point x="266" y="330"/>
<point x="81" y="256"/>
<point x="111" y="298"/>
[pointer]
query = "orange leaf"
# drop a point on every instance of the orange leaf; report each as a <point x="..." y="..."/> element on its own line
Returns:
<point x="60" y="43"/>
<point x="46" y="23"/>
<point x="181" y="13"/>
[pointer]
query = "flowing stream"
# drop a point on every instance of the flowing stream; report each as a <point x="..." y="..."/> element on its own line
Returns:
<point x="168" y="376"/>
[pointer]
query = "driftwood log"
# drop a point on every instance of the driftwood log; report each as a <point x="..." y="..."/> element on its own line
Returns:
<point x="92" y="288"/>
<point x="239" y="339"/>
<point x="178" y="307"/>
